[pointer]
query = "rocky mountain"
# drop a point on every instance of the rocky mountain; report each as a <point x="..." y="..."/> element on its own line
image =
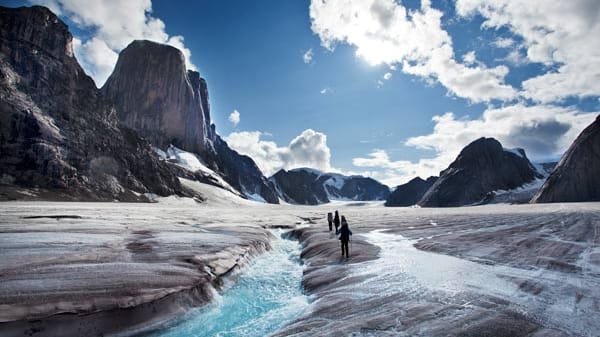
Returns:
<point x="410" y="193"/>
<point x="58" y="140"/>
<point x="481" y="168"/>
<point x="154" y="94"/>
<point x="577" y="175"/>
<point x="312" y="187"/>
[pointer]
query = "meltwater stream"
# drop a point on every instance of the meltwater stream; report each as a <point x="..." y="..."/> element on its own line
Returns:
<point x="266" y="296"/>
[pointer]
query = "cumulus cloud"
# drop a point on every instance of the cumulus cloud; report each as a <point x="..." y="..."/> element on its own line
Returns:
<point x="503" y="42"/>
<point x="307" y="56"/>
<point x="325" y="91"/>
<point x="469" y="58"/>
<point x="543" y="130"/>
<point x="113" y="25"/>
<point x="234" y="117"/>
<point x="384" y="31"/>
<point x="560" y="34"/>
<point x="387" y="76"/>
<point x="515" y="57"/>
<point x="393" y="173"/>
<point x="309" y="149"/>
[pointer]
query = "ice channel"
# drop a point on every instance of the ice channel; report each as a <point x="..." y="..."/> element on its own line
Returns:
<point x="267" y="295"/>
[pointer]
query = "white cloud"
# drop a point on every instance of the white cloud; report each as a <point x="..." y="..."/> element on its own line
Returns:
<point x="308" y="56"/>
<point x="469" y="58"/>
<point x="503" y="42"/>
<point x="384" y="31"/>
<point x="543" y="130"/>
<point x="325" y="91"/>
<point x="309" y="149"/>
<point x="387" y="76"/>
<point x="114" y="24"/>
<point x="234" y="117"/>
<point x="393" y="173"/>
<point x="561" y="34"/>
<point x="515" y="57"/>
<point x="96" y="57"/>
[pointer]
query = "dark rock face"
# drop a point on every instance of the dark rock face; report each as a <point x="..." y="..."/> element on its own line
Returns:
<point x="154" y="94"/>
<point x="357" y="188"/>
<point x="56" y="135"/>
<point x="312" y="187"/>
<point x="577" y="175"/>
<point x="300" y="187"/>
<point x="481" y="168"/>
<point x="410" y="193"/>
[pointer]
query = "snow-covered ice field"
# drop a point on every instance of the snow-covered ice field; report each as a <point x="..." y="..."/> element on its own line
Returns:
<point x="497" y="270"/>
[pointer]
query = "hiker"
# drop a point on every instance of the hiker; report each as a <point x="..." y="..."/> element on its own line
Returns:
<point x="344" y="233"/>
<point x="330" y="220"/>
<point x="336" y="221"/>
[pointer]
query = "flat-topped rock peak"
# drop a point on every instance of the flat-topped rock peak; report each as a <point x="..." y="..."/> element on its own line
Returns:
<point x="157" y="96"/>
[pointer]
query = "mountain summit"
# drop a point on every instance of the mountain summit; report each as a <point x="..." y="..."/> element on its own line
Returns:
<point x="481" y="167"/>
<point x="155" y="95"/>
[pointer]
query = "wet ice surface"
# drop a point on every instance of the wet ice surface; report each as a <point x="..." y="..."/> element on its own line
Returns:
<point x="504" y="270"/>
<point x="416" y="274"/>
<point x="266" y="296"/>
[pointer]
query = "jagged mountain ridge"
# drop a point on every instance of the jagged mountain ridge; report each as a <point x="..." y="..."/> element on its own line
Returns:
<point x="481" y="168"/>
<point x="58" y="140"/>
<point x="306" y="186"/>
<point x="155" y="95"/>
<point x="577" y="175"/>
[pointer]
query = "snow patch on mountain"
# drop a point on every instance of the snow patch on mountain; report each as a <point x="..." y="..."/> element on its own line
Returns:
<point x="311" y="186"/>
<point x="524" y="193"/>
<point x="191" y="162"/>
<point x="517" y="151"/>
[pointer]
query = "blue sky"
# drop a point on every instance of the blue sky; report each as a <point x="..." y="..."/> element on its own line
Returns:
<point x="375" y="87"/>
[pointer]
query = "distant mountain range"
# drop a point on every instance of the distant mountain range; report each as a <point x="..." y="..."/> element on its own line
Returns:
<point x="311" y="187"/>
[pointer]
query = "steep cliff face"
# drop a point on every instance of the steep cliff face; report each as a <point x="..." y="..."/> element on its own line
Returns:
<point x="410" y="193"/>
<point x="154" y="94"/>
<point x="577" y="175"/>
<point x="481" y="168"/>
<point x="57" y="139"/>
<point x="311" y="187"/>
